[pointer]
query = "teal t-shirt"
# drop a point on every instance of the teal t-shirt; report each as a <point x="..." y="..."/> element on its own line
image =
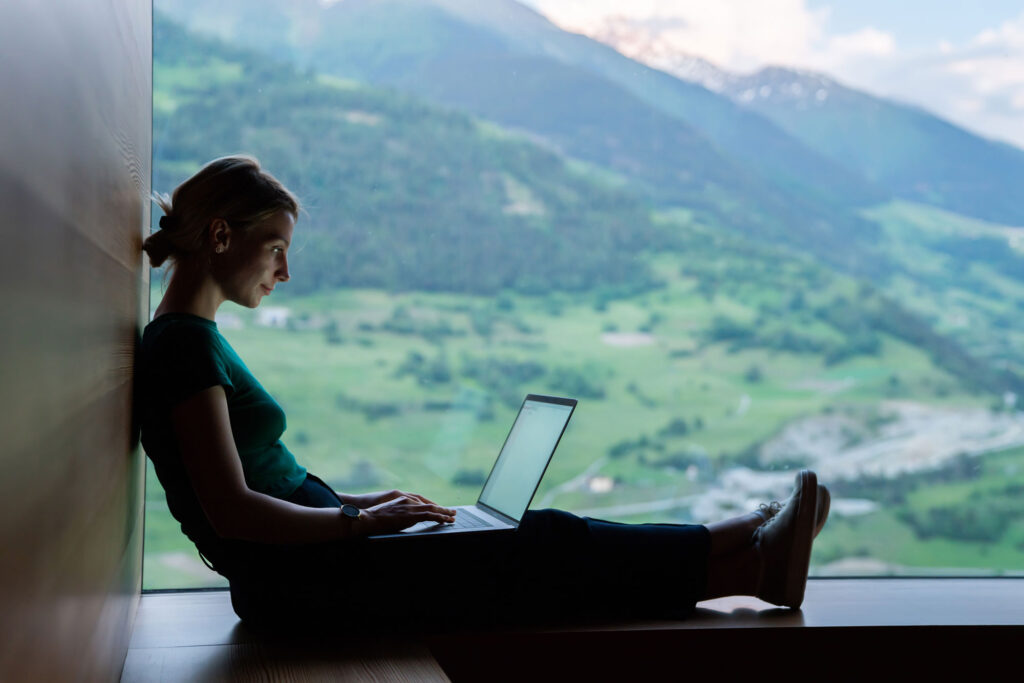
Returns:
<point x="183" y="354"/>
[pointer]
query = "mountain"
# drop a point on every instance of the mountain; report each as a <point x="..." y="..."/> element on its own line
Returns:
<point x="675" y="142"/>
<point x="905" y="149"/>
<point x="750" y="140"/>
<point x="917" y="155"/>
<point x="397" y="191"/>
<point x="642" y="41"/>
<point x="404" y="195"/>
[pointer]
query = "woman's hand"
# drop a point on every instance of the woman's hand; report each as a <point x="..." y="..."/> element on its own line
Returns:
<point x="400" y="513"/>
<point x="368" y="500"/>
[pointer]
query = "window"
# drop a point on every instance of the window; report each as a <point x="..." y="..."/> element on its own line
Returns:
<point x="738" y="273"/>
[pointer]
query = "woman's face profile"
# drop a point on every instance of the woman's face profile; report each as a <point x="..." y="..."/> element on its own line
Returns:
<point x="255" y="261"/>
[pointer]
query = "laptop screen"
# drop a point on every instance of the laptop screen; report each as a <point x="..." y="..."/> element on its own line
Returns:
<point x="525" y="456"/>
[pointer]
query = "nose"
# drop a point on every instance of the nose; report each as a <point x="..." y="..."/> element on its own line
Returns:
<point x="282" y="273"/>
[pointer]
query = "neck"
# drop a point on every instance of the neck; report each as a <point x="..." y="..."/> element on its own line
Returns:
<point x="191" y="290"/>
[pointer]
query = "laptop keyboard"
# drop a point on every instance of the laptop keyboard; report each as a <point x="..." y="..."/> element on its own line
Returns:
<point x="465" y="519"/>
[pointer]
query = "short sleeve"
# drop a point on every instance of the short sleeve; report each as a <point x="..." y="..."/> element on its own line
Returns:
<point x="187" y="360"/>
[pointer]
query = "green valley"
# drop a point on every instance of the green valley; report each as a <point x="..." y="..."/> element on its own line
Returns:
<point x="416" y="390"/>
<point x="718" y="333"/>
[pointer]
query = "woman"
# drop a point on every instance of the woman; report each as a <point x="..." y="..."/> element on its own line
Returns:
<point x="276" y="531"/>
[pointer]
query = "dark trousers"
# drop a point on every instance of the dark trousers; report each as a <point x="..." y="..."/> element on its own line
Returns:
<point x="555" y="565"/>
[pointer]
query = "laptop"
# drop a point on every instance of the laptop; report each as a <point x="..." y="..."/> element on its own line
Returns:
<point x="516" y="473"/>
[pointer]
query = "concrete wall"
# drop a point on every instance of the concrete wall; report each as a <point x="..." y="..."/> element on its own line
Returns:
<point x="75" y="140"/>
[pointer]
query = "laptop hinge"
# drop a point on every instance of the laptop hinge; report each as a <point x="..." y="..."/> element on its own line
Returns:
<point x="497" y="513"/>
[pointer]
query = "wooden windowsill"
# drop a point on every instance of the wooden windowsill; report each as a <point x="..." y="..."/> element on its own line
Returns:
<point x="876" y="602"/>
<point x="196" y="636"/>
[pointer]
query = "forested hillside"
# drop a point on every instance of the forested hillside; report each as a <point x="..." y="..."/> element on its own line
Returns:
<point x="673" y="143"/>
<point x="397" y="190"/>
<point x="404" y="195"/>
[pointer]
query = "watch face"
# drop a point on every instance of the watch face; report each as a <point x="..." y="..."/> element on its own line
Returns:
<point x="350" y="511"/>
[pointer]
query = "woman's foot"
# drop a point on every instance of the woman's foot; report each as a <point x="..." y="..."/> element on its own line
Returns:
<point x="821" y="514"/>
<point x="768" y="510"/>
<point x="784" y="544"/>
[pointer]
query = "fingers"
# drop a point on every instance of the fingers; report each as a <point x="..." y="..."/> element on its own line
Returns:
<point x="407" y="507"/>
<point x="421" y="499"/>
<point x="398" y="501"/>
<point x="393" y="494"/>
<point x="436" y="513"/>
<point x="416" y="496"/>
<point x="432" y="511"/>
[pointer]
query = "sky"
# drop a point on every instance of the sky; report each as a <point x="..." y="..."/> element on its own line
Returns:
<point x="963" y="61"/>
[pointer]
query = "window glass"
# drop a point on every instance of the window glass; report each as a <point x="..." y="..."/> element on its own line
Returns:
<point x="746" y="240"/>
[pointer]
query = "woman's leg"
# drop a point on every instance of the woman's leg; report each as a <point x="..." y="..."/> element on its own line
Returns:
<point x="733" y="563"/>
<point x="734" y="566"/>
<point x="610" y="568"/>
<point x="733" y="534"/>
<point x="735" y="573"/>
<point x="555" y="564"/>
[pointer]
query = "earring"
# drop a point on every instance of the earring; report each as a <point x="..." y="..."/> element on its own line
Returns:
<point x="220" y="249"/>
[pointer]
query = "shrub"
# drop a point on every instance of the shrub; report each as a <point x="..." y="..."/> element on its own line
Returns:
<point x="676" y="427"/>
<point x="469" y="478"/>
<point x="575" y="383"/>
<point x="332" y="334"/>
<point x="753" y="374"/>
<point x="428" y="373"/>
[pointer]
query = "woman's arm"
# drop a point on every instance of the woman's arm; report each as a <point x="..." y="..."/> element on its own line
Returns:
<point x="203" y="428"/>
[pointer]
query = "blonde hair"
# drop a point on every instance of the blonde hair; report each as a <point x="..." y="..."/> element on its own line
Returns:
<point x="233" y="188"/>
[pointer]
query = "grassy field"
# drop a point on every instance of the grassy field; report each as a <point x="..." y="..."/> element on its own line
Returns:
<point x="978" y="305"/>
<point x="417" y="391"/>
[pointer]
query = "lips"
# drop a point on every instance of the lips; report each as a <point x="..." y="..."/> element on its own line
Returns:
<point x="266" y="289"/>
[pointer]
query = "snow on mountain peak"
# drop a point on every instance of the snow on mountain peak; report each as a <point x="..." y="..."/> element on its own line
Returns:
<point x="645" y="41"/>
<point x="782" y="84"/>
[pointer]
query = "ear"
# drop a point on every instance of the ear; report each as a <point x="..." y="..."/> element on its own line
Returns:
<point x="220" y="234"/>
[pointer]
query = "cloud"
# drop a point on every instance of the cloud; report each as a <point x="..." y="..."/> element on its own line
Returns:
<point x="993" y="60"/>
<point x="867" y="41"/>
<point x="739" y="35"/>
<point x="991" y="74"/>
<point x="977" y="83"/>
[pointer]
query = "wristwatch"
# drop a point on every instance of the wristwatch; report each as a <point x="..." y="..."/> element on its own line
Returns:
<point x="350" y="511"/>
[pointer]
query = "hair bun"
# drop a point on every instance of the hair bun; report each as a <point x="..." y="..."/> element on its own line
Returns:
<point x="167" y="222"/>
<point x="158" y="247"/>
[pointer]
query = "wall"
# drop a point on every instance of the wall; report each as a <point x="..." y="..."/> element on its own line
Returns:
<point x="75" y="140"/>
